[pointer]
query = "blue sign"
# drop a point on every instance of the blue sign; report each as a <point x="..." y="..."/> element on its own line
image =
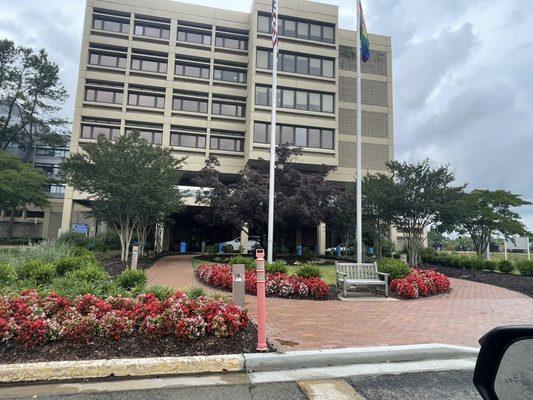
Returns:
<point x="80" y="228"/>
<point x="183" y="247"/>
<point x="299" y="250"/>
<point x="370" y="250"/>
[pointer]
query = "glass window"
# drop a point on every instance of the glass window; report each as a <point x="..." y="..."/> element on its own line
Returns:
<point x="327" y="139"/>
<point x="289" y="62"/>
<point x="327" y="103"/>
<point x="93" y="59"/>
<point x="150" y="66"/>
<point x="188" y="141"/>
<point x="328" y="34"/>
<point x="287" y="135"/>
<point x="263" y="59"/>
<point x="263" y="23"/>
<point x="289" y="28"/>
<point x="300" y="136"/>
<point x="303" y="30"/>
<point x="135" y="64"/>
<point x="314" y="66"/>
<point x="139" y="30"/>
<point x="302" y="65"/>
<point x="327" y="68"/>
<point x="314" y="101"/>
<point x="288" y="98"/>
<point x="97" y="23"/>
<point x="152" y="31"/>
<point x="86" y="132"/>
<point x="261" y="132"/>
<point x="104" y="96"/>
<point x="301" y="100"/>
<point x="314" y="138"/>
<point x="315" y="32"/>
<point x="261" y="95"/>
<point x="112" y="26"/>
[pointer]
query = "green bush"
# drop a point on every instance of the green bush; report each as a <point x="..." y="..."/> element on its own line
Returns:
<point x="249" y="263"/>
<point x="491" y="265"/>
<point x="211" y="250"/>
<point x="228" y="249"/>
<point x="7" y="273"/>
<point x="108" y="240"/>
<point x="397" y="269"/>
<point x="426" y="254"/>
<point x="37" y="271"/>
<point x="82" y="252"/>
<point x="506" y="266"/>
<point x="75" y="239"/>
<point x="278" y="266"/>
<point x="525" y="267"/>
<point x="66" y="265"/>
<point x="196" y="292"/>
<point x="477" y="263"/>
<point x="161" y="292"/>
<point x="89" y="273"/>
<point x="132" y="278"/>
<point x="308" y="271"/>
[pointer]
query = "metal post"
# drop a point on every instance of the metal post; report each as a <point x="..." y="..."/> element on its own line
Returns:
<point x="237" y="271"/>
<point x="261" y="301"/>
<point x="134" y="257"/>
<point x="359" y="218"/>
<point x="505" y="248"/>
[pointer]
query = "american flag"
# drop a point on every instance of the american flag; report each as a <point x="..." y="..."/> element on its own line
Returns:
<point x="275" y="31"/>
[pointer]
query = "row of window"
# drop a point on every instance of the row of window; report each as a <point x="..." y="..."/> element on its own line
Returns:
<point x="93" y="131"/>
<point x="29" y="214"/>
<point x="301" y="136"/>
<point x="300" y="64"/>
<point x="51" y="152"/>
<point x="298" y="29"/>
<point x="296" y="99"/>
<point x="49" y="169"/>
<point x="163" y="32"/>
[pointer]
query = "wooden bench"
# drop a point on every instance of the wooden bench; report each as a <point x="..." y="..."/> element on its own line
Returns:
<point x="353" y="274"/>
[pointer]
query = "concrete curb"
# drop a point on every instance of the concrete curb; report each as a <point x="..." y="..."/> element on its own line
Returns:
<point x="69" y="370"/>
<point x="350" y="356"/>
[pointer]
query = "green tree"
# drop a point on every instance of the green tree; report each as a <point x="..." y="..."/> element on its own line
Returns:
<point x="422" y="197"/>
<point x="482" y="213"/>
<point x="20" y="185"/>
<point x="132" y="185"/>
<point x="31" y="94"/>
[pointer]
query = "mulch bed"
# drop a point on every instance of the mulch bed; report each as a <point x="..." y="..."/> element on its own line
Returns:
<point x="517" y="283"/>
<point x="133" y="346"/>
<point x="114" y="266"/>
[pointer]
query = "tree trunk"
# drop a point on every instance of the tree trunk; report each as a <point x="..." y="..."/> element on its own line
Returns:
<point x="11" y="225"/>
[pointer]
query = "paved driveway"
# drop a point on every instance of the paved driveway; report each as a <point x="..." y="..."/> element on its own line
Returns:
<point x="460" y="317"/>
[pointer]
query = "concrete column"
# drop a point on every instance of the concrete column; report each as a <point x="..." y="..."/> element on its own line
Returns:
<point x="244" y="239"/>
<point x="321" y="238"/>
<point x="46" y="225"/>
<point x="67" y="215"/>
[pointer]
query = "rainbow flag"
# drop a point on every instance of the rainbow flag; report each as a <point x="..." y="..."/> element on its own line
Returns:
<point x="365" y="44"/>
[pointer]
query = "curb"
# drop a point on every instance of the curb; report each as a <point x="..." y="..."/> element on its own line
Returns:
<point x="70" y="370"/>
<point x="256" y="362"/>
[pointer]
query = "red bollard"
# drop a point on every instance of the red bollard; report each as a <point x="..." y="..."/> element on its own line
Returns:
<point x="261" y="301"/>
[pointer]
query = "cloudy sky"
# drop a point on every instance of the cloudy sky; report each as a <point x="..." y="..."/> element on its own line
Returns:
<point x="463" y="78"/>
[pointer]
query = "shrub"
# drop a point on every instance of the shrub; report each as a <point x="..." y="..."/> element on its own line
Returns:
<point x="108" y="240"/>
<point x="66" y="265"/>
<point x="38" y="271"/>
<point x="421" y="283"/>
<point x="84" y="253"/>
<point x="278" y="266"/>
<point x="477" y="263"/>
<point x="132" y="278"/>
<point x="249" y="263"/>
<point x="426" y="254"/>
<point x="228" y="249"/>
<point x="75" y="239"/>
<point x="89" y="273"/>
<point x="525" y="267"/>
<point x="7" y="273"/>
<point x="159" y="291"/>
<point x="491" y="265"/>
<point x="308" y="271"/>
<point x="397" y="269"/>
<point x="196" y="292"/>
<point x="506" y="266"/>
<point x="211" y="250"/>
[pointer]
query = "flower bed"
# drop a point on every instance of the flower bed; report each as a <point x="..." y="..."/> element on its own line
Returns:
<point x="33" y="320"/>
<point x="421" y="283"/>
<point x="279" y="284"/>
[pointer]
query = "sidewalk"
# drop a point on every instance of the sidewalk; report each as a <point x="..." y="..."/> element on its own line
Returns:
<point x="459" y="318"/>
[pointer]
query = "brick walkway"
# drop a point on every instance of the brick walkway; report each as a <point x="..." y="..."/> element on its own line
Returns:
<point x="460" y="317"/>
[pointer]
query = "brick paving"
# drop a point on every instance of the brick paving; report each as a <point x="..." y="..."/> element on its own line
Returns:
<point x="460" y="317"/>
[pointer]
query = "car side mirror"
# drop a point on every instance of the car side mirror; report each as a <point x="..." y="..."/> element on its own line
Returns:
<point x="504" y="367"/>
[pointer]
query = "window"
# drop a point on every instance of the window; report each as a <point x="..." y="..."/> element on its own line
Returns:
<point x="93" y="131"/>
<point x="298" y="29"/>
<point x="192" y="36"/>
<point x="288" y="98"/>
<point x="152" y="137"/>
<point x="229" y="109"/>
<point x="229" y="75"/>
<point x="327" y="103"/>
<point x="295" y="135"/>
<point x="56" y="189"/>
<point x="314" y="102"/>
<point x="328" y="34"/>
<point x="289" y="28"/>
<point x="149" y="65"/>
<point x="263" y="23"/>
<point x="226" y="141"/>
<point x="187" y="140"/>
<point x="103" y="95"/>
<point x="288" y="62"/>
<point x="152" y="31"/>
<point x="49" y="169"/>
<point x="262" y="95"/>
<point x="297" y="63"/>
<point x="302" y="65"/>
<point x="51" y="152"/>
<point x="190" y="105"/>
<point x="315" y="32"/>
<point x="110" y="25"/>
<point x="327" y="68"/>
<point x="107" y="60"/>
<point x="34" y="214"/>
<point x="264" y="59"/>
<point x="146" y="100"/>
<point x="315" y="66"/>
<point x="231" y="42"/>
<point x="303" y="30"/>
<point x="192" y="70"/>
<point x="299" y="99"/>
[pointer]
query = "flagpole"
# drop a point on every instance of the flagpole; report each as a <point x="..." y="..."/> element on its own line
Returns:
<point x="359" y="219"/>
<point x="270" y="248"/>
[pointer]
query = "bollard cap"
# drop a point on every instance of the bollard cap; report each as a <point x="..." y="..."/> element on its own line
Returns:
<point x="260" y="254"/>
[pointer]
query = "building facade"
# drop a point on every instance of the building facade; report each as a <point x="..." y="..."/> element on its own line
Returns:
<point x="198" y="80"/>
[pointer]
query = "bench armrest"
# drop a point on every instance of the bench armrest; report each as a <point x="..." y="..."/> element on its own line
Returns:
<point x="385" y="275"/>
<point x="340" y="273"/>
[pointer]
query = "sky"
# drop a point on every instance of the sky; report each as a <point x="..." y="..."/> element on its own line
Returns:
<point x="462" y="76"/>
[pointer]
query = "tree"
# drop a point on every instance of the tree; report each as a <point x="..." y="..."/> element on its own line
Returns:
<point x="20" y="185"/>
<point x="422" y="197"/>
<point x="482" y="213"/>
<point x="31" y="95"/>
<point x="132" y="184"/>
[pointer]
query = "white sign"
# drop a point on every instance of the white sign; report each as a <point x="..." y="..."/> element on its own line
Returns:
<point x="517" y="243"/>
